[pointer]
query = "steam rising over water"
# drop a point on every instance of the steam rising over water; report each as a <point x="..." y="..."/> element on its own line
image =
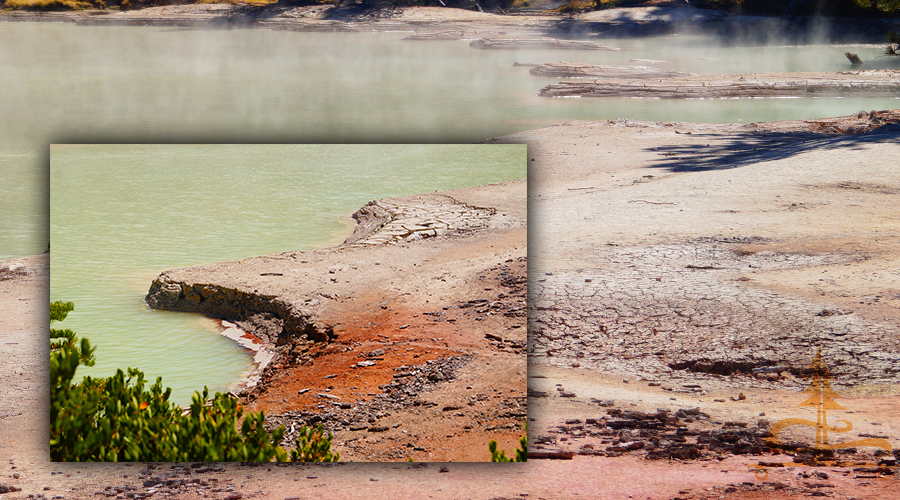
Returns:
<point x="66" y="84"/>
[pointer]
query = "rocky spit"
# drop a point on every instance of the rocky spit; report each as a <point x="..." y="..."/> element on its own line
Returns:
<point x="581" y="70"/>
<point x="875" y="83"/>
<point x="426" y="293"/>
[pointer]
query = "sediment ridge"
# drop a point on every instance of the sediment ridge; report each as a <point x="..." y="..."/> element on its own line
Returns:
<point x="580" y="70"/>
<point x="875" y="83"/>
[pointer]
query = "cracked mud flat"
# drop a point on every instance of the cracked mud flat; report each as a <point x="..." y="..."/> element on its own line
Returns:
<point x="693" y="258"/>
<point x="677" y="311"/>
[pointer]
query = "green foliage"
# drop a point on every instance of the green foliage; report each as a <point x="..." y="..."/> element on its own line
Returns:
<point x="124" y="418"/>
<point x="312" y="446"/>
<point x="65" y="340"/>
<point x="521" y="452"/>
<point x="578" y="6"/>
<point x="54" y="4"/>
<point x="803" y="8"/>
<point x="888" y="6"/>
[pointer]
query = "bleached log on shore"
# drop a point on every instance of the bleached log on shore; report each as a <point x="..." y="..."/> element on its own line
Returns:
<point x="436" y="35"/>
<point x="536" y="43"/>
<point x="574" y="70"/>
<point x="733" y="86"/>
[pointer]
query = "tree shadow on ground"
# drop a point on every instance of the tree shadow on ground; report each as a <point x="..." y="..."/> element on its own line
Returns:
<point x="749" y="148"/>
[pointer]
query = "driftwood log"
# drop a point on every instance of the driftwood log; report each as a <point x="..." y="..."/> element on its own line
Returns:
<point x="854" y="58"/>
<point x="436" y="35"/>
<point x="574" y="70"/>
<point x="551" y="454"/>
<point x="874" y="84"/>
<point x="536" y="43"/>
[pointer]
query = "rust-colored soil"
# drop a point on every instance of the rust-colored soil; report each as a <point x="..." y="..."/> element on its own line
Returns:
<point x="396" y="335"/>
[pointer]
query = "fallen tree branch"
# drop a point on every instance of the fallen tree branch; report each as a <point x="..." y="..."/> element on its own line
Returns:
<point x="551" y="454"/>
<point x="652" y="202"/>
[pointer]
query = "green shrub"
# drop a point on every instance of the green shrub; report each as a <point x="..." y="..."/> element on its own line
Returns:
<point x="521" y="452"/>
<point x="123" y="418"/>
<point x="53" y="4"/>
<point x="312" y="446"/>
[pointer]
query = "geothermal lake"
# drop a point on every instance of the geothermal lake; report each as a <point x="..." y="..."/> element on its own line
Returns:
<point x="65" y="84"/>
<point x="121" y="214"/>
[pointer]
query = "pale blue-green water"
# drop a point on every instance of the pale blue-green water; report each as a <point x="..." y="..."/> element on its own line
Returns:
<point x="63" y="83"/>
<point x="121" y="214"/>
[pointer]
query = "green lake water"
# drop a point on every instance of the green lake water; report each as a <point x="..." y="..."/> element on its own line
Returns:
<point x="63" y="83"/>
<point x="121" y="214"/>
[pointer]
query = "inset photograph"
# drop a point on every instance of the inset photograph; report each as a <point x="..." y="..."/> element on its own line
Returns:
<point x="215" y="303"/>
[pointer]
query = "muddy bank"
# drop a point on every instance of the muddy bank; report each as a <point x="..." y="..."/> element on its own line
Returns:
<point x="429" y="23"/>
<point x="403" y="337"/>
<point x="875" y="83"/>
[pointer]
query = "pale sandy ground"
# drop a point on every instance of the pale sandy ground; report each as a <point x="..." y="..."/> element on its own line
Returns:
<point x="780" y="193"/>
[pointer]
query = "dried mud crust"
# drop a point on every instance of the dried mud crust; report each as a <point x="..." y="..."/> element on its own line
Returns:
<point x="416" y="217"/>
<point x="719" y="250"/>
<point x="694" y="307"/>
<point x="698" y="270"/>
